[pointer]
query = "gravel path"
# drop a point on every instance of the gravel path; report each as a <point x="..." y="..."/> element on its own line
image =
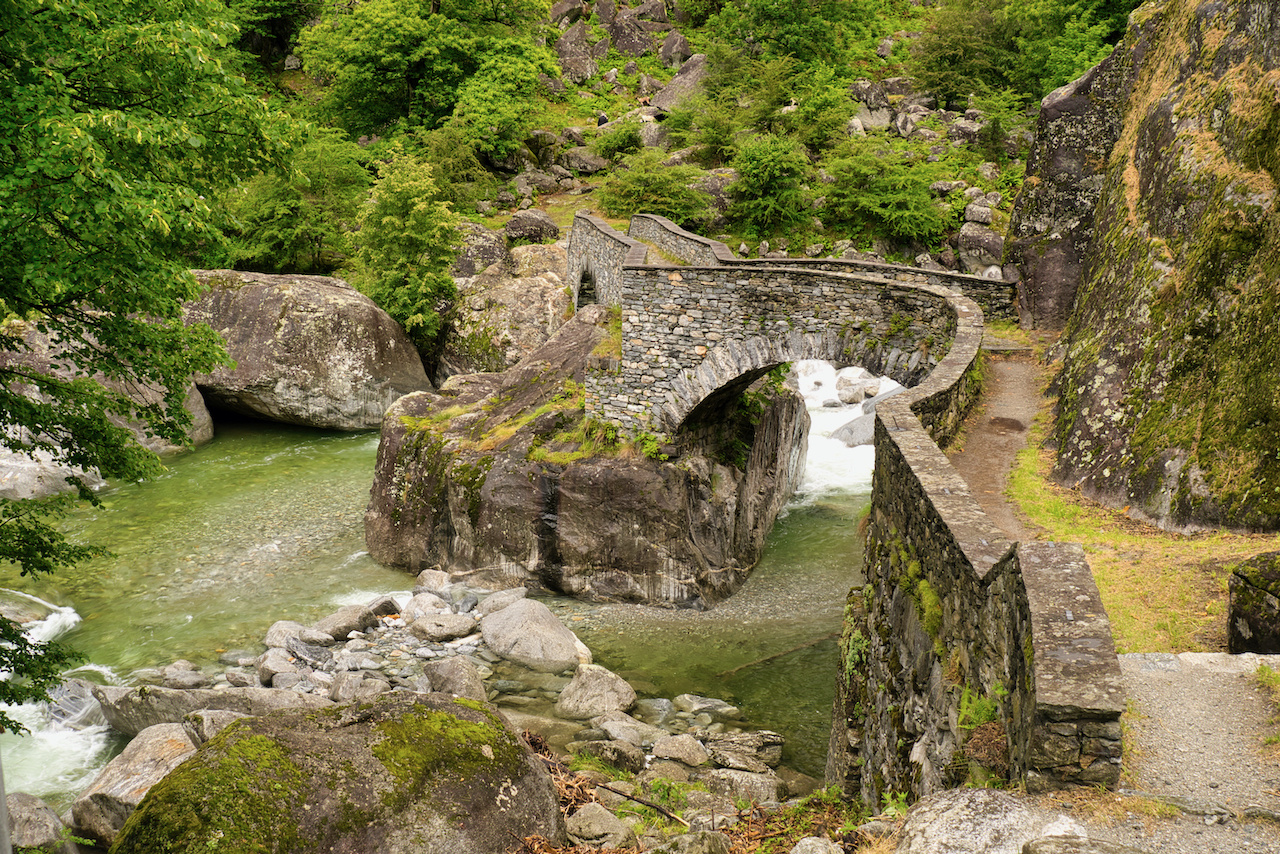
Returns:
<point x="1198" y="720"/>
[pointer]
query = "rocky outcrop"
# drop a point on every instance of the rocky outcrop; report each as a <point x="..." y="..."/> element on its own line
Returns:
<point x="41" y="473"/>
<point x="308" y="350"/>
<point x="979" y="821"/>
<point x="418" y="772"/>
<point x="507" y="311"/>
<point x="102" y="810"/>
<point x="1170" y="362"/>
<point x="1253" y="618"/>
<point x="503" y="479"/>
<point x="132" y="710"/>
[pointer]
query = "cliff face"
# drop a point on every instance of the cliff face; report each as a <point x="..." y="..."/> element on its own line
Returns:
<point x="1170" y="386"/>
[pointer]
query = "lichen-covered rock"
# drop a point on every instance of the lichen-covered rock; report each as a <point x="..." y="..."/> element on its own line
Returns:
<point x="1253" y="617"/>
<point x="34" y="825"/>
<point x="481" y="249"/>
<point x="685" y="86"/>
<point x="527" y="633"/>
<point x="308" y="350"/>
<point x="131" y="710"/>
<point x="508" y="310"/>
<point x="497" y="479"/>
<point x="1170" y="383"/>
<point x="593" y="691"/>
<point x="416" y="773"/>
<point x="978" y="821"/>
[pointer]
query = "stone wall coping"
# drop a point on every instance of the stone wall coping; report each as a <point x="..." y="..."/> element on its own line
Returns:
<point x="1077" y="672"/>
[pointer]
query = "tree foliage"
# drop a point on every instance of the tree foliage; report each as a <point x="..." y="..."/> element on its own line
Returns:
<point x="881" y="186"/>
<point x="769" y="194"/>
<point x="118" y="121"/>
<point x="406" y="241"/>
<point x="646" y="186"/>
<point x="295" y="218"/>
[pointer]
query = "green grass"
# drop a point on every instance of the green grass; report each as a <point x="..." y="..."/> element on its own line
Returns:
<point x="1164" y="592"/>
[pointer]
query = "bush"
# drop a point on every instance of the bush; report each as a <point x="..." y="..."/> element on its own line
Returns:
<point x="623" y="138"/>
<point x="646" y="186"/>
<point x="769" y="194"/>
<point x="882" y="186"/>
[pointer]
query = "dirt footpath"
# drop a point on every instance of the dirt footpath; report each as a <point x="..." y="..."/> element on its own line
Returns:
<point x="1198" y="777"/>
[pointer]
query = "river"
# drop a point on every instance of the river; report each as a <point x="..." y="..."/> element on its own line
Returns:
<point x="265" y="523"/>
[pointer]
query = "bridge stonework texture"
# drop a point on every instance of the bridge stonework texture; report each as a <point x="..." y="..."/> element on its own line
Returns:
<point x="960" y="640"/>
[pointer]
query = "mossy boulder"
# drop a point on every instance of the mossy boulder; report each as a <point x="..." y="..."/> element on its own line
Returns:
<point x="404" y="773"/>
<point x="1169" y="393"/>
<point x="1253" y="624"/>
<point x="503" y="479"/>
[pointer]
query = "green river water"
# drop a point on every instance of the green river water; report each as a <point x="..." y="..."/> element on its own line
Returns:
<point x="266" y="523"/>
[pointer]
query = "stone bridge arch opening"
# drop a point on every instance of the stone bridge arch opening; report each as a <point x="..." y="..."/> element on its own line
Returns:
<point x="584" y="293"/>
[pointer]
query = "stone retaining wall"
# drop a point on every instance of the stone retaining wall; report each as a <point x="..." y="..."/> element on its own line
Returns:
<point x="954" y="617"/>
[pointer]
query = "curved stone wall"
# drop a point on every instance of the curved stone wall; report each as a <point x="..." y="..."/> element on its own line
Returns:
<point x="955" y="622"/>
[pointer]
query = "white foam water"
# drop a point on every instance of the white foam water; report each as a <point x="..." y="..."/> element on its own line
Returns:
<point x="831" y="467"/>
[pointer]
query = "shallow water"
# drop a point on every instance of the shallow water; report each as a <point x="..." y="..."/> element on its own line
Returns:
<point x="266" y="523"/>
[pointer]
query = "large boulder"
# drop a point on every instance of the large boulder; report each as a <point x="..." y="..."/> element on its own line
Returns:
<point x="308" y="350"/>
<point x="594" y="691"/>
<point x="508" y="311"/>
<point x="481" y="249"/>
<point x="41" y="473"/>
<point x="531" y="226"/>
<point x="583" y="161"/>
<point x="34" y="825"/>
<point x="458" y="484"/>
<point x="131" y="710"/>
<point x="685" y="86"/>
<point x="978" y="821"/>
<point x="418" y="772"/>
<point x="102" y="809"/>
<point x="527" y="633"/>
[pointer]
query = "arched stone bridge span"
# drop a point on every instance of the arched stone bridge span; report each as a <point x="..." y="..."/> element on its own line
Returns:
<point x="952" y="610"/>
<point x="693" y="332"/>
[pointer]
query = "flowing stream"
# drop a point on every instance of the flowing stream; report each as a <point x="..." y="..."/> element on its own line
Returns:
<point x="265" y="523"/>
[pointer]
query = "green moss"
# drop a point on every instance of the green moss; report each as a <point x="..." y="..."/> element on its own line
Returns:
<point x="416" y="747"/>
<point x="233" y="802"/>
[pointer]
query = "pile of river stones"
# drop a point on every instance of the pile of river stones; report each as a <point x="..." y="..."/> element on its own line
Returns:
<point x="503" y="648"/>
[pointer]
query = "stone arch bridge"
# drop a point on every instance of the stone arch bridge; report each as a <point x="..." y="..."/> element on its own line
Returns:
<point x="709" y="324"/>
<point x="951" y="609"/>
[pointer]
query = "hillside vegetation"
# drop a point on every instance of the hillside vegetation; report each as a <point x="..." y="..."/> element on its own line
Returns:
<point x="405" y="115"/>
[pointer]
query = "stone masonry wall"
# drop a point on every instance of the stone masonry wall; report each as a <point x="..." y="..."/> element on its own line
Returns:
<point x="687" y="332"/>
<point x="953" y="615"/>
<point x="599" y="251"/>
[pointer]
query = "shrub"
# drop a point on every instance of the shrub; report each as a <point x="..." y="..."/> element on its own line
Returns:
<point x="623" y="138"/>
<point x="646" y="186"/>
<point x="769" y="194"/>
<point x="882" y="186"/>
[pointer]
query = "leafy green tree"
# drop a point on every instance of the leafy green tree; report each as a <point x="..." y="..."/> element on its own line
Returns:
<point x="117" y="120"/>
<point x="646" y="186"/>
<point x="769" y="195"/>
<point x="387" y="60"/>
<point x="406" y="241"/>
<point x="494" y="103"/>
<point x="882" y="187"/>
<point x="295" y="219"/>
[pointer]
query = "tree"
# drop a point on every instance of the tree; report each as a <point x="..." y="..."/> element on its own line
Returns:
<point x="407" y="239"/>
<point x="769" y="194"/>
<point x="118" y="120"/>
<point x="295" y="219"/>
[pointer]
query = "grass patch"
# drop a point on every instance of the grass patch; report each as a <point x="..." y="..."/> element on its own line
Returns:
<point x="1164" y="592"/>
<point x="1105" y="806"/>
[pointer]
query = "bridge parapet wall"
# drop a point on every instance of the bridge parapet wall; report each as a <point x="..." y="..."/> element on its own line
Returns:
<point x="600" y="252"/>
<point x="956" y="617"/>
<point x="997" y="298"/>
